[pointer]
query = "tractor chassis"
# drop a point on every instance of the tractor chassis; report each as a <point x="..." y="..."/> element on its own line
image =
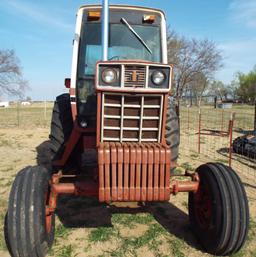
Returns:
<point x="81" y="186"/>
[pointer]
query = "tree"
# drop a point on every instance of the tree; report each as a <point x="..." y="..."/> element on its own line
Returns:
<point x="232" y="89"/>
<point x="247" y="86"/>
<point x="219" y="89"/>
<point x="191" y="58"/>
<point x="28" y="99"/>
<point x="11" y="79"/>
<point x="199" y="85"/>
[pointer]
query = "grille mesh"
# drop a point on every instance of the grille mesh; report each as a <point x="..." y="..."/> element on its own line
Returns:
<point x="127" y="118"/>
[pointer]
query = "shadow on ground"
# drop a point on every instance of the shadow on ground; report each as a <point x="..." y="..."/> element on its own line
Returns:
<point x="77" y="212"/>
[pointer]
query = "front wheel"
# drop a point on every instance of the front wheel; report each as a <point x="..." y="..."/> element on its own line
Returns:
<point x="29" y="231"/>
<point x="218" y="211"/>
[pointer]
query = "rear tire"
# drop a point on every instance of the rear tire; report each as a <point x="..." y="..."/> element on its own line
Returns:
<point x="218" y="211"/>
<point x="26" y="231"/>
<point x="61" y="128"/>
<point x="172" y="128"/>
<point x="62" y="122"/>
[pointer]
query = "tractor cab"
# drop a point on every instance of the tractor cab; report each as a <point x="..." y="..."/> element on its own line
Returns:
<point x="135" y="34"/>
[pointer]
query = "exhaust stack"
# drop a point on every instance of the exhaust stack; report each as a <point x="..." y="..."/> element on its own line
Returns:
<point x="105" y="29"/>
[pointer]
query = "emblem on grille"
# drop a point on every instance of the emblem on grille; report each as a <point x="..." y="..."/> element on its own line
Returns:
<point x="134" y="76"/>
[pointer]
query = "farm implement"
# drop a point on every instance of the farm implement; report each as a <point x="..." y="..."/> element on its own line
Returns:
<point x="115" y="136"/>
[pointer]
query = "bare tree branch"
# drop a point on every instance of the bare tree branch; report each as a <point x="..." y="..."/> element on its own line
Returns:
<point x="11" y="80"/>
<point x="192" y="59"/>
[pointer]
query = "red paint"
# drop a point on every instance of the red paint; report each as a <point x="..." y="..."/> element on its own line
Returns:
<point x="203" y="207"/>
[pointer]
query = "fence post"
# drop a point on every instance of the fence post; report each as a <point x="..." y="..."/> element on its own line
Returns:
<point x="255" y="115"/>
<point x="222" y="119"/>
<point x="18" y="113"/>
<point x="45" y="111"/>
<point x="199" y="131"/>
<point x="188" y="117"/>
<point x="231" y="125"/>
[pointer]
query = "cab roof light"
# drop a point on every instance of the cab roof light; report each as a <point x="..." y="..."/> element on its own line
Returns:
<point x="148" y="18"/>
<point x="93" y="16"/>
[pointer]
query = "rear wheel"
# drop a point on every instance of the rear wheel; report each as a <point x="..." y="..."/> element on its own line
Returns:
<point x="62" y="122"/>
<point x="61" y="128"/>
<point x="218" y="211"/>
<point x="29" y="231"/>
<point x="172" y="134"/>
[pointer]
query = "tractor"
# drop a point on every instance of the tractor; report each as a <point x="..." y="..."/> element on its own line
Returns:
<point x="115" y="136"/>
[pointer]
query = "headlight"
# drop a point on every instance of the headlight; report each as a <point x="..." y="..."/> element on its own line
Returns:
<point x="158" y="77"/>
<point x="109" y="76"/>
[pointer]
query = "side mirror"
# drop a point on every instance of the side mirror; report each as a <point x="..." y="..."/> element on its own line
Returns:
<point x="67" y="82"/>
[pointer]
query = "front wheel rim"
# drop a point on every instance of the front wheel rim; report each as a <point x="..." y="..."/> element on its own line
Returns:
<point x="203" y="207"/>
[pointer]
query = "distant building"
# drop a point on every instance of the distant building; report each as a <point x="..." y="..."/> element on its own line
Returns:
<point x="25" y="103"/>
<point x="225" y="104"/>
<point x="4" y="104"/>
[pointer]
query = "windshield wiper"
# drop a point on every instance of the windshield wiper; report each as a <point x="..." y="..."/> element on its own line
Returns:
<point x="124" y="21"/>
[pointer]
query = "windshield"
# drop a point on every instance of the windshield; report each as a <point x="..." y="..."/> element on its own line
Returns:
<point x="123" y="45"/>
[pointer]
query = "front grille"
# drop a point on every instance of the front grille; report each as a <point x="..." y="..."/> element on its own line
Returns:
<point x="127" y="118"/>
<point x="134" y="76"/>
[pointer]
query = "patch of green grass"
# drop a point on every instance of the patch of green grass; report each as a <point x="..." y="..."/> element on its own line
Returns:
<point x="194" y="156"/>
<point x="129" y="220"/>
<point x="225" y="161"/>
<point x="66" y="251"/>
<point x="187" y="166"/>
<point x="178" y="171"/>
<point x="241" y="253"/>
<point x="2" y="240"/>
<point x="61" y="232"/>
<point x="252" y="231"/>
<point x="253" y="254"/>
<point x="150" y="239"/>
<point x="176" y="246"/>
<point x="101" y="234"/>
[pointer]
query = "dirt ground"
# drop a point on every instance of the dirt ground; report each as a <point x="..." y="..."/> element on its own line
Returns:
<point x="86" y="228"/>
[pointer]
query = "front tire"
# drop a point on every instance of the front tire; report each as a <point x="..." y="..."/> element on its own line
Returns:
<point x="29" y="231"/>
<point x="218" y="211"/>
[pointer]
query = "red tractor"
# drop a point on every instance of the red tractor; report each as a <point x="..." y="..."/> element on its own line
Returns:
<point x="116" y="136"/>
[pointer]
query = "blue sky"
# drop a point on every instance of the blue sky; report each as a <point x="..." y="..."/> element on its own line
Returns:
<point x="41" y="33"/>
